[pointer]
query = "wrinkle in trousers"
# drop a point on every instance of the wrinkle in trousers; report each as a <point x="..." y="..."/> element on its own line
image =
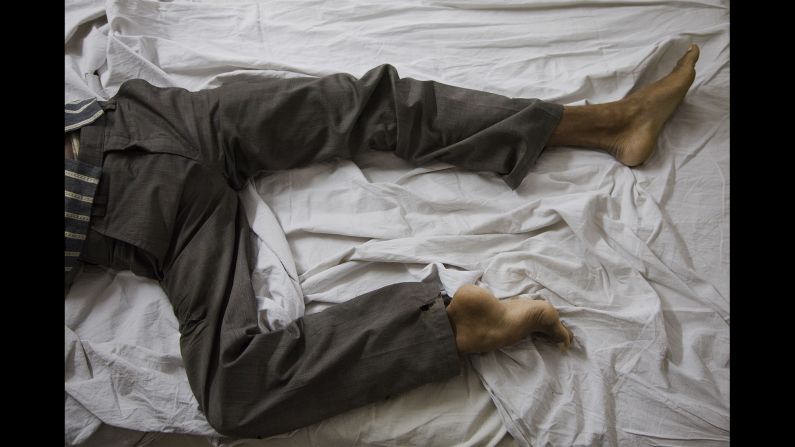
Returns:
<point x="173" y="162"/>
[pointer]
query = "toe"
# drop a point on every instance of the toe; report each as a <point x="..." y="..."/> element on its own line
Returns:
<point x="694" y="52"/>
<point x="690" y="57"/>
<point x="554" y="329"/>
<point x="562" y="334"/>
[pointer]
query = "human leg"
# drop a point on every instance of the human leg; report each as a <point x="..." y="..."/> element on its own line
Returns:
<point x="628" y="128"/>
<point x="251" y="383"/>
<point x="274" y="124"/>
<point x="244" y="128"/>
<point x="309" y="120"/>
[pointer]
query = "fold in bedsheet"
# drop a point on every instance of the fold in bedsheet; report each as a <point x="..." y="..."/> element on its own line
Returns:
<point x="637" y="260"/>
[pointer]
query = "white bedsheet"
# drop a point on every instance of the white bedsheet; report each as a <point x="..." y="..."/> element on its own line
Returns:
<point x="637" y="260"/>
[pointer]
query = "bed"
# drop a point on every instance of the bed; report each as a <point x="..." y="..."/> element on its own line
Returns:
<point x="636" y="260"/>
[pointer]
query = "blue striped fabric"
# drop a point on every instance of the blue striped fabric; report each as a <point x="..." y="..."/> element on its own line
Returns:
<point x="80" y="113"/>
<point x="80" y="185"/>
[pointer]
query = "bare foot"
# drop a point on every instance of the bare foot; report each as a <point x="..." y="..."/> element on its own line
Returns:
<point x="483" y="323"/>
<point x="649" y="108"/>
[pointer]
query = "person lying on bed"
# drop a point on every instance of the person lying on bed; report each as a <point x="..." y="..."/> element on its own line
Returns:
<point x="151" y="183"/>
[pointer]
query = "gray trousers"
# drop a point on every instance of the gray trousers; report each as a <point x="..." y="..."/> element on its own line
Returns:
<point x="167" y="208"/>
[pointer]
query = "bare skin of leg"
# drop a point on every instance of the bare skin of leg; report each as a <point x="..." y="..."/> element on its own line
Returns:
<point x="628" y="128"/>
<point x="482" y="323"/>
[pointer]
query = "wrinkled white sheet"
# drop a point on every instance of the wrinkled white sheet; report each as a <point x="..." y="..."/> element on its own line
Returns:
<point x="637" y="260"/>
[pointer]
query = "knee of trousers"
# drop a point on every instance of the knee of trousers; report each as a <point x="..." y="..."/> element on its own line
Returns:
<point x="248" y="403"/>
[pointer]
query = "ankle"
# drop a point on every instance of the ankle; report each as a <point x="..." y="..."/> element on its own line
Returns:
<point x="594" y="126"/>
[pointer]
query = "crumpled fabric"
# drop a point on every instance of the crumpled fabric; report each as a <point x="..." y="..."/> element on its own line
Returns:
<point x="636" y="260"/>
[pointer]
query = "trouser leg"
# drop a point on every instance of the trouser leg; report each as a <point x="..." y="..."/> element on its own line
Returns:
<point x="275" y="124"/>
<point x="243" y="128"/>
<point x="252" y="384"/>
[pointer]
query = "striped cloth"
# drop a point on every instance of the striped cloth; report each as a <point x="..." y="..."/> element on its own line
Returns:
<point x="80" y="184"/>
